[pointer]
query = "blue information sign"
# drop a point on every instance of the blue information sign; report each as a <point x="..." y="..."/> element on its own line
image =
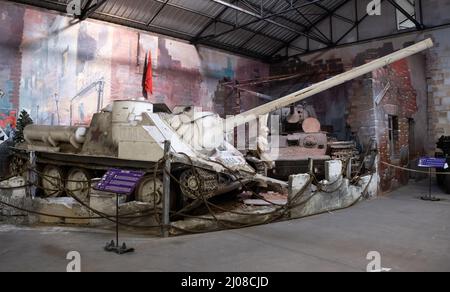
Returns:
<point x="120" y="181"/>
<point x="428" y="162"/>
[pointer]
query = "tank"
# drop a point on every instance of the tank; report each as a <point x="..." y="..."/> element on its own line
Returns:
<point x="301" y="138"/>
<point x="131" y="134"/>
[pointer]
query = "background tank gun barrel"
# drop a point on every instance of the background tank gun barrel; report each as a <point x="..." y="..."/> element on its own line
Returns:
<point x="329" y="83"/>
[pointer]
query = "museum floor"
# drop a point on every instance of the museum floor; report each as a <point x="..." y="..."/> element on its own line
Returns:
<point x="410" y="235"/>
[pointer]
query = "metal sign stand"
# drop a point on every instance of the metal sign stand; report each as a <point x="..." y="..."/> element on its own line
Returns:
<point x="120" y="182"/>
<point x="115" y="246"/>
<point x="431" y="163"/>
<point x="33" y="176"/>
<point x="430" y="197"/>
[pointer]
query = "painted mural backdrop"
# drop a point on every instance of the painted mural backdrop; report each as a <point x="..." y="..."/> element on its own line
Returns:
<point x="10" y="39"/>
<point x="62" y="73"/>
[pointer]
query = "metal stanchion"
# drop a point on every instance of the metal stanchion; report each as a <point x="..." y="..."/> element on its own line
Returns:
<point x="350" y="168"/>
<point x="430" y="197"/>
<point x="431" y="163"/>
<point x="119" y="182"/>
<point x="115" y="246"/>
<point x="311" y="166"/>
<point x="166" y="190"/>
<point x="32" y="175"/>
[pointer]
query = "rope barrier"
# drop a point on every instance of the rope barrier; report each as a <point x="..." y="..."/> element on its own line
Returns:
<point x="279" y="212"/>
<point x="414" y="170"/>
<point x="101" y="215"/>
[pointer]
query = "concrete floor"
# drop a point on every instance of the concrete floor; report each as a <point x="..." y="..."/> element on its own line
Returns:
<point x="410" y="234"/>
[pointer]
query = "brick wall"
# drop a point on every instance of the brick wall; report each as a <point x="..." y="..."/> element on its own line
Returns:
<point x="362" y="113"/>
<point x="363" y="119"/>
<point x="368" y="101"/>
<point x="331" y="106"/>
<point x="176" y="84"/>
<point x="314" y="71"/>
<point x="10" y="64"/>
<point x="438" y="79"/>
<point x="126" y="78"/>
<point x="399" y="101"/>
<point x="10" y="75"/>
<point x="386" y="92"/>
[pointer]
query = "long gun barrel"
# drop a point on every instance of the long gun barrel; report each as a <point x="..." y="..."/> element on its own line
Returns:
<point x="329" y="83"/>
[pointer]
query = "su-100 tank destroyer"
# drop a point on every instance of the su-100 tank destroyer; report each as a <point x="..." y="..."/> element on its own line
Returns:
<point x="131" y="134"/>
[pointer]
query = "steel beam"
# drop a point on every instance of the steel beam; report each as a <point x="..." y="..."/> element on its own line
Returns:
<point x="291" y="4"/>
<point x="90" y="8"/>
<point x="405" y="13"/>
<point x="343" y="18"/>
<point x="256" y="15"/>
<point x="158" y="12"/>
<point x="313" y="25"/>
<point x="310" y="23"/>
<point x="257" y="31"/>
<point x="211" y="22"/>
<point x="356" y="25"/>
<point x="263" y="18"/>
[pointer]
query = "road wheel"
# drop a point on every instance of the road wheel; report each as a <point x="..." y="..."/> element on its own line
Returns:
<point x="78" y="183"/>
<point x="150" y="191"/>
<point x="52" y="181"/>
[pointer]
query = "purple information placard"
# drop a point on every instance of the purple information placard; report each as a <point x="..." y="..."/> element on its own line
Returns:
<point x="427" y="162"/>
<point x="120" y="181"/>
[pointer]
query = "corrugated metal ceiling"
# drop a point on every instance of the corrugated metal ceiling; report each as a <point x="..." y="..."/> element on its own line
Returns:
<point x="257" y="28"/>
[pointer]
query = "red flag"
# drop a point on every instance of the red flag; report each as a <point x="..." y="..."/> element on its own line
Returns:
<point x="149" y="74"/>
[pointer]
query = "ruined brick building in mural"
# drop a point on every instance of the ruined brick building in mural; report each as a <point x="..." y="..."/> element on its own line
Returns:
<point x="10" y="64"/>
<point x="53" y="68"/>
